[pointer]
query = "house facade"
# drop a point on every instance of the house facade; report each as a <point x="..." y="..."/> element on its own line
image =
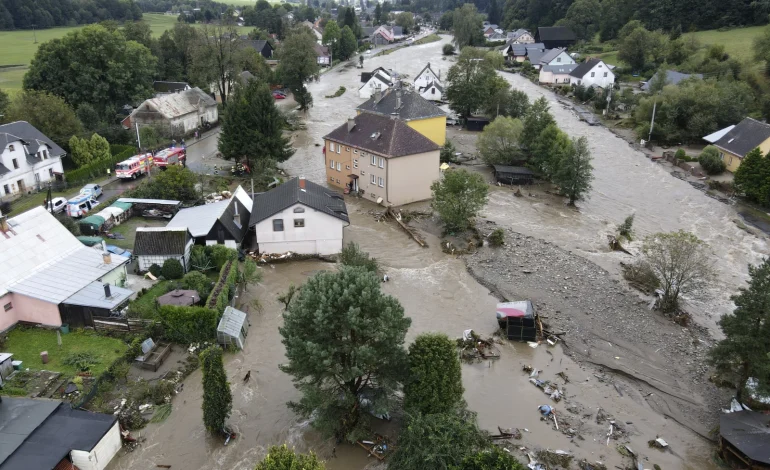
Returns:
<point x="426" y="76"/>
<point x="299" y="216"/>
<point x="433" y="91"/>
<point x="382" y="35"/>
<point x="324" y="55"/>
<point x="411" y="108"/>
<point x="184" y="111"/>
<point x="556" y="56"/>
<point x="155" y="245"/>
<point x="378" y="79"/>
<point x="593" y="73"/>
<point x="520" y="36"/>
<point x="28" y="159"/>
<point x="220" y="223"/>
<point x="744" y="137"/>
<point x="383" y="159"/>
<point x="556" y="74"/>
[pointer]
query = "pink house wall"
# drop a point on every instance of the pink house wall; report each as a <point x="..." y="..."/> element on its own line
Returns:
<point x="28" y="309"/>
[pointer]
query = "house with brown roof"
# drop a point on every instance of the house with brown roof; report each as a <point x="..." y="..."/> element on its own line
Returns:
<point x="382" y="158"/>
<point x="410" y="107"/>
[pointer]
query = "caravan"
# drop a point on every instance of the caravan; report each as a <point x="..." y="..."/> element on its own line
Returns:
<point x="81" y="205"/>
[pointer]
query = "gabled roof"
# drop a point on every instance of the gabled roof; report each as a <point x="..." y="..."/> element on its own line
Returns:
<point x="169" y="87"/>
<point x="517" y="34"/>
<point x="383" y="136"/>
<point x="258" y="44"/>
<point x="201" y="219"/>
<point x="161" y="241"/>
<point x="22" y="130"/>
<point x="744" y="137"/>
<point x="551" y="54"/>
<point x="321" y="51"/>
<point x="535" y="55"/>
<point x="555" y="33"/>
<point x="177" y="104"/>
<point x="384" y="75"/>
<point x="561" y="68"/>
<point x="427" y="67"/>
<point x="290" y="193"/>
<point x="49" y="435"/>
<point x="672" y="78"/>
<point x="582" y="69"/>
<point x="36" y="238"/>
<point x="431" y="85"/>
<point x="402" y="104"/>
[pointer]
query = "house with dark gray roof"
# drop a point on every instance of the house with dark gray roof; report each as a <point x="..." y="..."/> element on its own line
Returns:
<point x="593" y="73"/>
<point x="164" y="88"/>
<point x="298" y="216"/>
<point x="218" y="223"/>
<point x="672" y="78"/>
<point x="29" y="160"/>
<point x="154" y="245"/>
<point x="412" y="108"/>
<point x="382" y="158"/>
<point x="51" y="435"/>
<point x="555" y="36"/>
<point x="378" y="79"/>
<point x="746" y="136"/>
<point x="261" y="46"/>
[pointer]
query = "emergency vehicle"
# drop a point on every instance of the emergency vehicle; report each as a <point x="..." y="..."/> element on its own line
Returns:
<point x="80" y="205"/>
<point x="170" y="156"/>
<point x="134" y="167"/>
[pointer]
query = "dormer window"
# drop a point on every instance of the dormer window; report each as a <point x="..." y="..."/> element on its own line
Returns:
<point x="11" y="148"/>
<point x="45" y="154"/>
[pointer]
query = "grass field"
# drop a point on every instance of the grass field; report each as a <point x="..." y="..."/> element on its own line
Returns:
<point x="19" y="47"/>
<point x="738" y="42"/>
<point x="27" y="343"/>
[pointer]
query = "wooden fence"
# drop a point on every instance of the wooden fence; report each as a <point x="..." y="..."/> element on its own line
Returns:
<point x="126" y="325"/>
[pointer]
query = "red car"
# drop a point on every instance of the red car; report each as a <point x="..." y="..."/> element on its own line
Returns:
<point x="279" y="95"/>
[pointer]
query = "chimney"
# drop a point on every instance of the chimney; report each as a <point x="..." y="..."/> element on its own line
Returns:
<point x="237" y="216"/>
<point x="3" y="223"/>
<point x="107" y="292"/>
<point x="351" y="125"/>
<point x="377" y="94"/>
<point x="398" y="99"/>
<point x="302" y="183"/>
<point x="107" y="257"/>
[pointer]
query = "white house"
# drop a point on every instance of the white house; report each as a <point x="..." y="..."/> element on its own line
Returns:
<point x="27" y="159"/>
<point x="426" y="77"/>
<point x="556" y="74"/>
<point x="299" y="216"/>
<point x="521" y="36"/>
<point x="433" y="91"/>
<point x="556" y="56"/>
<point x="592" y="72"/>
<point x="324" y="55"/>
<point x="155" y="245"/>
<point x="184" y="111"/>
<point x="378" y="79"/>
<point x="497" y="37"/>
<point x="220" y="223"/>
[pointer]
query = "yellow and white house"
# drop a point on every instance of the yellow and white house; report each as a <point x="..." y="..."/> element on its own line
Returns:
<point x="411" y="108"/>
<point x="739" y="140"/>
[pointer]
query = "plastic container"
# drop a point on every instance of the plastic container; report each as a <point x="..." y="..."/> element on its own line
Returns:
<point x="65" y="328"/>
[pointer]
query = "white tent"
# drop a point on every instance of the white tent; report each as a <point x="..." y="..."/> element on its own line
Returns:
<point x="233" y="328"/>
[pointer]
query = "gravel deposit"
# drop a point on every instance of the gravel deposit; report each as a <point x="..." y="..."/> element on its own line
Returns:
<point x="607" y="324"/>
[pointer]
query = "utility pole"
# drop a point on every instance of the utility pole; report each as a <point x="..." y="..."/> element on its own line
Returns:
<point x="138" y="140"/>
<point x="652" y="122"/>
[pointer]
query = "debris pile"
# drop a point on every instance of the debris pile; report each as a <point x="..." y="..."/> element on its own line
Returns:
<point x="473" y="347"/>
<point x="549" y="388"/>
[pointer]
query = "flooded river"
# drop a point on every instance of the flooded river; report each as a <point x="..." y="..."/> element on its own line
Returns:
<point x="439" y="295"/>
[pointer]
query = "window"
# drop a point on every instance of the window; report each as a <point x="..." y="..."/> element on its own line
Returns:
<point x="339" y="166"/>
<point x="338" y="181"/>
<point x="338" y="148"/>
<point x="45" y="154"/>
<point x="331" y="164"/>
<point x="277" y="225"/>
<point x="6" y="189"/>
<point x="299" y="223"/>
<point x="374" y="179"/>
<point x="374" y="160"/>
<point x="331" y="178"/>
<point x="15" y="164"/>
<point x="433" y="91"/>
<point x="355" y="163"/>
<point x="347" y="149"/>
<point x="11" y="148"/>
<point x="605" y="74"/>
<point x="558" y="59"/>
<point x="380" y="182"/>
<point x="8" y="306"/>
<point x="299" y="210"/>
<point x="382" y="162"/>
<point x="593" y="74"/>
<point x="331" y="147"/>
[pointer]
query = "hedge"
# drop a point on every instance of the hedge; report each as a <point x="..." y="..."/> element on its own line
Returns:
<point x="97" y="169"/>
<point x="225" y="286"/>
<point x="187" y="325"/>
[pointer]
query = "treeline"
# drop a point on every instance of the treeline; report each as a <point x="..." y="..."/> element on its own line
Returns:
<point x="176" y="6"/>
<point x="28" y="14"/>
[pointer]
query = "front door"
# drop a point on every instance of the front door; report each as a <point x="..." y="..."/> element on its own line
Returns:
<point x="22" y="188"/>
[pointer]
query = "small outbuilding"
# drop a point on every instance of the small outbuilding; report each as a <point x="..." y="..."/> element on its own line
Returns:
<point x="233" y="328"/>
<point x="476" y="123"/>
<point x="518" y="320"/>
<point x="744" y="439"/>
<point x="154" y="245"/>
<point x="513" y="174"/>
<point x="180" y="298"/>
<point x="91" y="225"/>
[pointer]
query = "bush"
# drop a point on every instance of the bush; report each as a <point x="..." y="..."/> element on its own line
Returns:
<point x="497" y="237"/>
<point x="197" y="281"/>
<point x="221" y="254"/>
<point x="351" y="255"/>
<point x="709" y="160"/>
<point x="200" y="260"/>
<point x="155" y="270"/>
<point x="99" y="168"/>
<point x="340" y="91"/>
<point x="224" y="288"/>
<point x="680" y="155"/>
<point x="626" y="228"/>
<point x="187" y="325"/>
<point x="448" y="49"/>
<point x="282" y="458"/>
<point x="172" y="269"/>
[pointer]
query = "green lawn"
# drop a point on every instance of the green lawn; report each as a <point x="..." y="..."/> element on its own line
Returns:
<point x="144" y="306"/>
<point x="128" y="230"/>
<point x="738" y="42"/>
<point x="27" y="343"/>
<point x="610" y="57"/>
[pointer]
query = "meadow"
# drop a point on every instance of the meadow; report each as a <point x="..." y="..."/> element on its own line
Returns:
<point x="19" y="47"/>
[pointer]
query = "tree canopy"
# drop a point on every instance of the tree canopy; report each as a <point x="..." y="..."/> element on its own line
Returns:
<point x="435" y="383"/>
<point x="753" y="177"/>
<point x="574" y="172"/>
<point x="87" y="151"/>
<point x="50" y="114"/>
<point x="217" y="398"/>
<point x="283" y="458"/>
<point x="472" y="82"/>
<point x="458" y="197"/>
<point x="499" y="143"/>
<point x="42" y="14"/>
<point x="467" y="26"/>
<point x="298" y="58"/>
<point x="93" y="65"/>
<point x="340" y="332"/>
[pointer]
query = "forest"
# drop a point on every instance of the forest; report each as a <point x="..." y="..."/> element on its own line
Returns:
<point x="41" y="14"/>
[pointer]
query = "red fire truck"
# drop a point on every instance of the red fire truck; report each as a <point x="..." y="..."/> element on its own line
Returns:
<point x="170" y="156"/>
<point x="134" y="167"/>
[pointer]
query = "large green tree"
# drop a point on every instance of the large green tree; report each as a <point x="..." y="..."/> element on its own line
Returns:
<point x="752" y="178"/>
<point x="538" y="117"/>
<point x="217" y="398"/>
<point x="458" y="197"/>
<point x="507" y="101"/>
<point x="467" y="26"/>
<point x="218" y="58"/>
<point x="406" y="21"/>
<point x="176" y="183"/>
<point x="575" y="173"/>
<point x="581" y="18"/>
<point x="298" y="62"/>
<point x="548" y="150"/>
<point x="435" y="382"/>
<point x="745" y="349"/>
<point x="5" y="101"/>
<point x="499" y="142"/>
<point x="283" y="458"/>
<point x="252" y="128"/>
<point x="437" y="441"/>
<point x="344" y="344"/>
<point x="762" y="48"/>
<point x="472" y="82"/>
<point x="87" y="151"/>
<point x="348" y="43"/>
<point x="331" y="37"/>
<point x="50" y="114"/>
<point x="93" y="65"/>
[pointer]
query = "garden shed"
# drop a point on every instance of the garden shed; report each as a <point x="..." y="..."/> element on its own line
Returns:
<point x="233" y="328"/>
<point x="91" y="225"/>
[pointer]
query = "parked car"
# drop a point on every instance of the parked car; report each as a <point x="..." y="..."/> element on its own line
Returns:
<point x="56" y="205"/>
<point x="279" y="95"/>
<point x="116" y="250"/>
<point x="93" y="190"/>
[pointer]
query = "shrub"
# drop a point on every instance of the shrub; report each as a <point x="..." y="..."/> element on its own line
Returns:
<point x="352" y="255"/>
<point x="220" y="295"/>
<point x="200" y="260"/>
<point x="82" y="361"/>
<point x="448" y="49"/>
<point x="340" y="91"/>
<point x="282" y="458"/>
<point x="710" y="162"/>
<point x="187" y="325"/>
<point x="221" y="254"/>
<point x="497" y="237"/>
<point x="197" y="281"/>
<point x="172" y="269"/>
<point x="626" y="228"/>
<point x="680" y="155"/>
<point x="435" y="382"/>
<point x="155" y="270"/>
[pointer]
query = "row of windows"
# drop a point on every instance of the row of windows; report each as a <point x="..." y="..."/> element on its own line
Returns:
<point x="379" y="181"/>
<point x="43" y="154"/>
<point x="376" y="161"/>
<point x="278" y="224"/>
<point x="9" y="188"/>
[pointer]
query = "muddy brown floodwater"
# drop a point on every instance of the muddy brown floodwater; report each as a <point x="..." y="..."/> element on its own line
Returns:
<point x="439" y="295"/>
